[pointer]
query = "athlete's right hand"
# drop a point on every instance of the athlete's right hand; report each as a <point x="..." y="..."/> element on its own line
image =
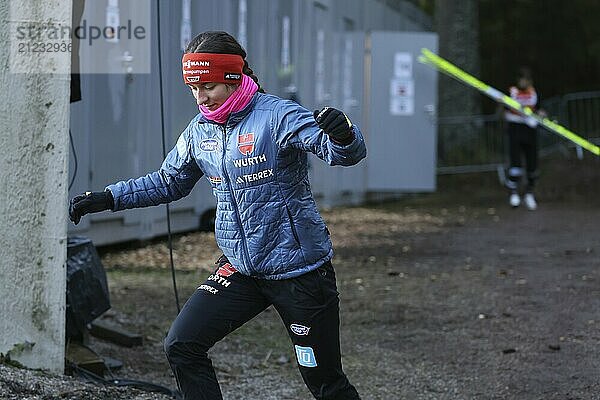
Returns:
<point x="90" y="202"/>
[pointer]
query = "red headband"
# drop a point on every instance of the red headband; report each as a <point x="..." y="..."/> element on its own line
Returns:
<point x="211" y="67"/>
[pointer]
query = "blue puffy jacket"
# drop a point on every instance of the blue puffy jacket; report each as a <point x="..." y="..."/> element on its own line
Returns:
<point x="267" y="222"/>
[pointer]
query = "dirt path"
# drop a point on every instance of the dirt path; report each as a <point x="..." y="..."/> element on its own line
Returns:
<point x="439" y="301"/>
<point x="496" y="304"/>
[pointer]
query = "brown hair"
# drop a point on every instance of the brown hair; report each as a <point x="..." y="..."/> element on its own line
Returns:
<point x="221" y="43"/>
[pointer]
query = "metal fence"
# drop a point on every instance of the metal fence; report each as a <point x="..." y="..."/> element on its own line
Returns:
<point x="473" y="143"/>
<point x="477" y="143"/>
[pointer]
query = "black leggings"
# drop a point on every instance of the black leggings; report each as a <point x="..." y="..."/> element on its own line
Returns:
<point x="308" y="305"/>
<point x="522" y="140"/>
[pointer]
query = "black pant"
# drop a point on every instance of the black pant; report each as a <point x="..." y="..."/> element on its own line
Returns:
<point x="308" y="305"/>
<point x="522" y="140"/>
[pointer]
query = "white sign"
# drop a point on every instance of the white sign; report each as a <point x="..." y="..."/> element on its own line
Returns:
<point x="403" y="65"/>
<point x="402" y="106"/>
<point x="402" y="97"/>
<point x="402" y="88"/>
<point x="112" y="20"/>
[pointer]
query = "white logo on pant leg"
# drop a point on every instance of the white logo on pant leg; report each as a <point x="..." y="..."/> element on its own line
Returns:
<point x="300" y="329"/>
<point x="305" y="356"/>
<point x="208" y="288"/>
<point x="219" y="279"/>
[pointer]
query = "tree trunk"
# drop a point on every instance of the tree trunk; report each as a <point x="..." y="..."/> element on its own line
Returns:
<point x="457" y="24"/>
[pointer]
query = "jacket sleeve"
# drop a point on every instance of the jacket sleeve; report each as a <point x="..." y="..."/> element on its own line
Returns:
<point x="296" y="127"/>
<point x="175" y="179"/>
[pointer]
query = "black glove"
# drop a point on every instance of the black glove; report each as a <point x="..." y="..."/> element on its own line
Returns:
<point x="335" y="124"/>
<point x="90" y="202"/>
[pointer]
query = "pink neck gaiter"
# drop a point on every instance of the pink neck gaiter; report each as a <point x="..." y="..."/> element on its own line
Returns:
<point x="234" y="103"/>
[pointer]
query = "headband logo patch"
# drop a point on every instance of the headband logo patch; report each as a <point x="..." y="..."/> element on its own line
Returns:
<point x="246" y="143"/>
<point x="232" y="76"/>
<point x="195" y="71"/>
<point x="192" y="63"/>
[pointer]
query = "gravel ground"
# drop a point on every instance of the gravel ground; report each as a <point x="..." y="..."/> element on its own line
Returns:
<point x="444" y="296"/>
<point x="24" y="384"/>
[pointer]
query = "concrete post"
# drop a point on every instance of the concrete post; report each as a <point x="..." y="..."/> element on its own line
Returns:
<point x="34" y="121"/>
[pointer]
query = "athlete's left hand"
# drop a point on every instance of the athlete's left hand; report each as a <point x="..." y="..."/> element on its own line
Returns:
<point x="335" y="124"/>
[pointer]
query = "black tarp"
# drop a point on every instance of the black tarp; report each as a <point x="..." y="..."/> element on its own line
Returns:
<point x="87" y="289"/>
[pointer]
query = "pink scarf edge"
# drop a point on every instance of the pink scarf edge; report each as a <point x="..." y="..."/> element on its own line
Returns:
<point x="234" y="103"/>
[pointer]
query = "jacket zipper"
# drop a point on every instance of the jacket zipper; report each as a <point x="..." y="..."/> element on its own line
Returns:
<point x="233" y="201"/>
<point x="292" y="225"/>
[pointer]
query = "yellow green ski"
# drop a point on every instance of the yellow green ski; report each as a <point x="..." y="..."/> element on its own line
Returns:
<point x="429" y="58"/>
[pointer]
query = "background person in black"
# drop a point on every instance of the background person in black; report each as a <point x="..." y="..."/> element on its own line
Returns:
<point x="522" y="141"/>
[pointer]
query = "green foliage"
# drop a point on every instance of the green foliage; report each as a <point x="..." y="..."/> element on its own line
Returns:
<point x="428" y="6"/>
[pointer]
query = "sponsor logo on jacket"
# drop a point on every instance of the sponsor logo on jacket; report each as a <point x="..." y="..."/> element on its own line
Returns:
<point x="249" y="161"/>
<point x="209" y="145"/>
<point x="246" y="143"/>
<point x="254" y="177"/>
